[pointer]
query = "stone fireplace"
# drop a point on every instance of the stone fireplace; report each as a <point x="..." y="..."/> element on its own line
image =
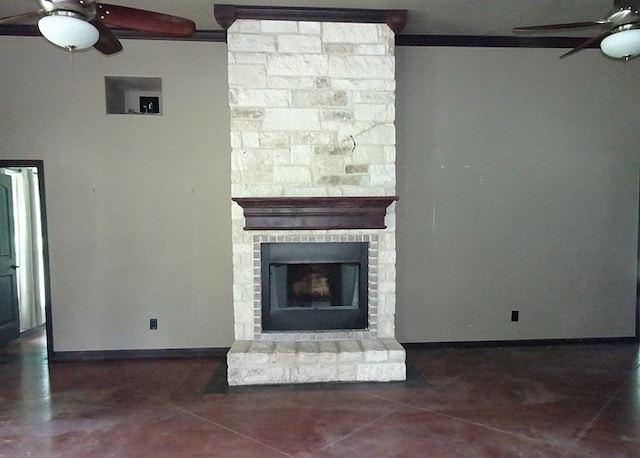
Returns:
<point x="312" y="102"/>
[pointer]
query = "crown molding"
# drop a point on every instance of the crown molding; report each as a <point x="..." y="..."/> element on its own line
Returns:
<point x="227" y="14"/>
<point x="455" y="41"/>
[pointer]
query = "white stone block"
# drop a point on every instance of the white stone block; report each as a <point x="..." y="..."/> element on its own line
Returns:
<point x="274" y="139"/>
<point x="360" y="67"/>
<point x="245" y="124"/>
<point x="281" y="156"/>
<point x="383" y="97"/>
<point x="394" y="372"/>
<point x="347" y="372"/>
<point x="301" y="155"/>
<point x="372" y="112"/>
<point x="328" y="352"/>
<point x="306" y="191"/>
<point x="319" y="98"/>
<point x="374" y="351"/>
<point x="396" y="351"/>
<point x="247" y="58"/>
<point x="300" y="119"/>
<point x="245" y="42"/>
<point x="292" y="174"/>
<point x="379" y="135"/>
<point x="239" y="331"/>
<point x="299" y="44"/>
<point x="387" y="275"/>
<point x="261" y="97"/>
<point x="349" y="351"/>
<point x="367" y="372"/>
<point x="376" y="49"/>
<point x="308" y="352"/>
<point x="363" y="84"/>
<point x="389" y="154"/>
<point x="245" y="25"/>
<point x="313" y="373"/>
<point x="235" y="140"/>
<point x="381" y="175"/>
<point x="342" y="32"/>
<point x="297" y="65"/>
<point x="247" y="76"/>
<point x="285" y="358"/>
<point x="250" y="139"/>
<point x="368" y="154"/>
<point x="312" y="138"/>
<point x="270" y="26"/>
<point x="308" y="27"/>
<point x="386" y="327"/>
<point x="387" y="256"/>
<point x="291" y="82"/>
<point x="328" y="165"/>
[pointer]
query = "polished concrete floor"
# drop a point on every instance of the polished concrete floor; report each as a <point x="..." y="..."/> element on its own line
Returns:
<point x="569" y="401"/>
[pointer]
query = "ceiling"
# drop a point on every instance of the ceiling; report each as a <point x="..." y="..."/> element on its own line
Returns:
<point x="426" y="17"/>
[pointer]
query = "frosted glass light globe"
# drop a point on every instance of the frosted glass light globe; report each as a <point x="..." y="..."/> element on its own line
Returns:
<point x="68" y="32"/>
<point x="622" y="45"/>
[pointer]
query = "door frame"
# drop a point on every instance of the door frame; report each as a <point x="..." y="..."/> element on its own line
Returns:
<point x="39" y="165"/>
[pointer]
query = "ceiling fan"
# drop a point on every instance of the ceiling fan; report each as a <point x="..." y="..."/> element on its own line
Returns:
<point x="80" y="24"/>
<point x="621" y="36"/>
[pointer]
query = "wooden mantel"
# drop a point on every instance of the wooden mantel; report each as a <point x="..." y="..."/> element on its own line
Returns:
<point x="227" y="14"/>
<point x="307" y="213"/>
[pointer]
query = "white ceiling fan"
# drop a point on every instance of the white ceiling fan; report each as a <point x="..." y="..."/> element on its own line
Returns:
<point x="80" y="24"/>
<point x="621" y="36"/>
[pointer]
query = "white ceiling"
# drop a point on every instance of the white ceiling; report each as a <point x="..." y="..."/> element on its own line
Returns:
<point x="429" y="17"/>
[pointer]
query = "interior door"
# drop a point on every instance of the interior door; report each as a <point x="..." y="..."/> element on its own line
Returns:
<point x="9" y="314"/>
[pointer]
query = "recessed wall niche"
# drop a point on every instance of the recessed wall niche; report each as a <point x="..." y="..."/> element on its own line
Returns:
<point x="133" y="95"/>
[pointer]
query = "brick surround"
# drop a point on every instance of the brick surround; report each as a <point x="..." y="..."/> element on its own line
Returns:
<point x="312" y="115"/>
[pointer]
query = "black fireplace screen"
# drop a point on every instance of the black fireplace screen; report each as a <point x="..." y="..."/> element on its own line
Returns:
<point x="314" y="286"/>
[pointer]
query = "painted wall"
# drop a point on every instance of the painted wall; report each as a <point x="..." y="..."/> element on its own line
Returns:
<point x="517" y="176"/>
<point x="138" y="206"/>
<point x="518" y="183"/>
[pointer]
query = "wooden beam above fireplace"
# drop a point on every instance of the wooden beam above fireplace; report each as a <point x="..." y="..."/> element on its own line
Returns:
<point x="307" y="213"/>
<point x="227" y="14"/>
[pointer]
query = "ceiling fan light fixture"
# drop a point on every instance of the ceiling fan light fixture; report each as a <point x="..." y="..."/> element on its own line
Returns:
<point x="68" y="30"/>
<point x="624" y="44"/>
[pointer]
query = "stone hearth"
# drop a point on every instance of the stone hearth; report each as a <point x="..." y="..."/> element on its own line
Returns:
<point x="312" y="106"/>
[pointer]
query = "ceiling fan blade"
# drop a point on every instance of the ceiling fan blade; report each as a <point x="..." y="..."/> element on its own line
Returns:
<point x="107" y="42"/>
<point x="583" y="45"/>
<point x="570" y="25"/>
<point x="143" y="20"/>
<point x="20" y="17"/>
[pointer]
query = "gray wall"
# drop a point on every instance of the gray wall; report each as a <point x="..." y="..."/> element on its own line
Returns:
<point x="517" y="180"/>
<point x="518" y="184"/>
<point x="138" y="206"/>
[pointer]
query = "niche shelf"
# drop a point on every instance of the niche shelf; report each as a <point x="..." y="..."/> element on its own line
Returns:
<point x="133" y="95"/>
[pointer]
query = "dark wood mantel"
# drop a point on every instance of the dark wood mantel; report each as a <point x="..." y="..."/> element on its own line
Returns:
<point x="307" y="213"/>
<point x="227" y="14"/>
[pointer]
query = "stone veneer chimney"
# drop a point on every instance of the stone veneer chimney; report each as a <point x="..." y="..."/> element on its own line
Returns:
<point x="312" y="107"/>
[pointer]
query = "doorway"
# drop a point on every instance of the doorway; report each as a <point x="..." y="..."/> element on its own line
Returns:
<point x="31" y="247"/>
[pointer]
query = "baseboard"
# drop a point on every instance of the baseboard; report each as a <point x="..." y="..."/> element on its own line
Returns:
<point x="111" y="355"/>
<point x="184" y="353"/>
<point x="522" y="343"/>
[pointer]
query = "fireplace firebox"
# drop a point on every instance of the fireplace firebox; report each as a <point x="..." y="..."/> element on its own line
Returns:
<point x="314" y="286"/>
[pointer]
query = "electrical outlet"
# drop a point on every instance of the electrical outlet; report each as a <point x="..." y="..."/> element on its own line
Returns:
<point x="515" y="315"/>
<point x="153" y="323"/>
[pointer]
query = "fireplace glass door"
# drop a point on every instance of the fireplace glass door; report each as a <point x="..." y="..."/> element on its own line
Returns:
<point x="314" y="286"/>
